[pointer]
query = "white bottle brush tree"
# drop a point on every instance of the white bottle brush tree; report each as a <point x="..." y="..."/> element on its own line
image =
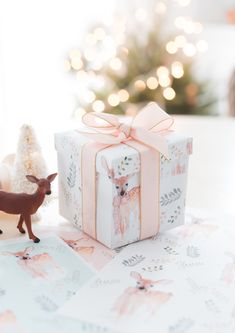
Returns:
<point x="28" y="161"/>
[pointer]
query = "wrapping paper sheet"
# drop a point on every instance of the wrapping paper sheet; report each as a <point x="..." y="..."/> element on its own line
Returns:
<point x="95" y="254"/>
<point x="181" y="281"/>
<point x="35" y="280"/>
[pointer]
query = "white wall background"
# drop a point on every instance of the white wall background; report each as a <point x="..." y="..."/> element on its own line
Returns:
<point x="36" y="36"/>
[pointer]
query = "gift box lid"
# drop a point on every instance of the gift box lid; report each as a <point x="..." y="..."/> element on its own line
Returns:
<point x="122" y="158"/>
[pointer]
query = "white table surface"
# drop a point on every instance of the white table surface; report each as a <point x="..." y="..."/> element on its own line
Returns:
<point x="211" y="179"/>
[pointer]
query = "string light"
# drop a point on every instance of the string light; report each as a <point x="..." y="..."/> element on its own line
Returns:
<point x="90" y="39"/>
<point x="140" y="85"/>
<point x="97" y="65"/>
<point x="179" y="22"/>
<point x="202" y="46"/>
<point x="115" y="64"/>
<point x="171" y="47"/>
<point x="78" y="113"/>
<point x="99" y="33"/>
<point x="123" y="95"/>
<point x="125" y="50"/>
<point x="89" y="96"/>
<point x="99" y="82"/>
<point x="180" y="41"/>
<point x="120" y="39"/>
<point x="106" y="53"/>
<point x="162" y="70"/>
<point x="113" y="99"/>
<point x="189" y="27"/>
<point x="169" y="93"/>
<point x="81" y="75"/>
<point x="74" y="54"/>
<point x="98" y="106"/>
<point x="189" y="50"/>
<point x="109" y="47"/>
<point x="198" y="27"/>
<point x="76" y="63"/>
<point x="177" y="70"/>
<point x="160" y="8"/>
<point x="89" y="54"/>
<point x="152" y="83"/>
<point x="164" y="81"/>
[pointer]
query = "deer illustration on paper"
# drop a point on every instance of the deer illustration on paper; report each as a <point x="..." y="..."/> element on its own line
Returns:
<point x="125" y="202"/>
<point x="94" y="253"/>
<point x="38" y="266"/>
<point x="191" y="230"/>
<point x="79" y="246"/>
<point x="141" y="297"/>
<point x="228" y="273"/>
<point x="8" y="323"/>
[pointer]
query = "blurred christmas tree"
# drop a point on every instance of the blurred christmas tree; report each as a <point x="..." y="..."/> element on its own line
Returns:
<point x="121" y="68"/>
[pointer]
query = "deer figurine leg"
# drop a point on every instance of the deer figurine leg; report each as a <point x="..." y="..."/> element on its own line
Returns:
<point x="20" y="223"/>
<point x="27" y="219"/>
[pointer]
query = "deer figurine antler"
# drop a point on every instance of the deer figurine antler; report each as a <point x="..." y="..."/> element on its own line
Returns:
<point x="26" y="204"/>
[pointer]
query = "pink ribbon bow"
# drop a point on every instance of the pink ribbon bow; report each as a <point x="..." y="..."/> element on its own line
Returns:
<point x="146" y="128"/>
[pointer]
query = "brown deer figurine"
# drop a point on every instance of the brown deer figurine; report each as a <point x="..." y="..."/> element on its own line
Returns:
<point x="26" y="204"/>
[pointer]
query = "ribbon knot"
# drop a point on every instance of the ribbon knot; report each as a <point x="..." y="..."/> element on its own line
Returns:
<point x="147" y="127"/>
<point x="124" y="128"/>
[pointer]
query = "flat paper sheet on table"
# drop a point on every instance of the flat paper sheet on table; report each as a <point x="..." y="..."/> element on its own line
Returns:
<point x="35" y="280"/>
<point x="181" y="281"/>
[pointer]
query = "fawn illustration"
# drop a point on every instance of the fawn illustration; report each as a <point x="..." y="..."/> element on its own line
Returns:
<point x="94" y="253"/>
<point x="228" y="274"/>
<point x="76" y="245"/>
<point x="125" y="201"/>
<point x="8" y="323"/>
<point x="38" y="266"/>
<point x="26" y="204"/>
<point x="194" y="229"/>
<point x="141" y="297"/>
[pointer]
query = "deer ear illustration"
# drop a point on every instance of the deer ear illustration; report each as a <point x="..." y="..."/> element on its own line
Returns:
<point x="163" y="281"/>
<point x="135" y="275"/>
<point x="32" y="179"/>
<point x="5" y="253"/>
<point x="51" y="177"/>
<point x="29" y="249"/>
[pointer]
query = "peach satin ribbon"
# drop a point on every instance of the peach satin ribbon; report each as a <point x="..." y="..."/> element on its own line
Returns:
<point x="144" y="135"/>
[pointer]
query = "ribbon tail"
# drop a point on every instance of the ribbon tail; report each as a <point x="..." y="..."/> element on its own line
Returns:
<point x="151" y="139"/>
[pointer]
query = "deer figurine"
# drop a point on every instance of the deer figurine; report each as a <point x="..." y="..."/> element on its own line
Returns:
<point x="125" y="201"/>
<point x="26" y="204"/>
<point x="142" y="296"/>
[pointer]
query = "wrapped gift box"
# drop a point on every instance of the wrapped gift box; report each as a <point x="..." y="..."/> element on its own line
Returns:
<point x="118" y="189"/>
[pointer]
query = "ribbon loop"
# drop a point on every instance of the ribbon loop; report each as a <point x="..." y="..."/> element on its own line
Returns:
<point x="146" y="128"/>
<point x="100" y="120"/>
